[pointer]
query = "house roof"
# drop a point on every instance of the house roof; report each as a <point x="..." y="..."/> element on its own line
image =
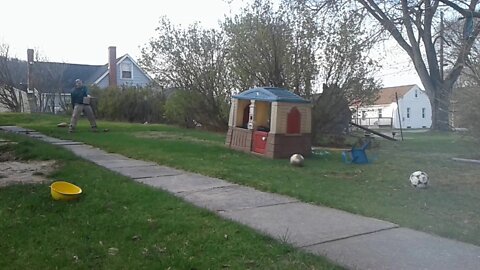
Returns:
<point x="53" y="76"/>
<point x="271" y="94"/>
<point x="62" y="75"/>
<point x="16" y="68"/>
<point x="387" y="95"/>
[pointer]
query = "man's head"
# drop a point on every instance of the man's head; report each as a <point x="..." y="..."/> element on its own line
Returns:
<point x="78" y="83"/>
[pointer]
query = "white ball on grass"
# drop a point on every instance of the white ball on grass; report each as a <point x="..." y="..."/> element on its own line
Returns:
<point x="419" y="179"/>
<point x="297" y="160"/>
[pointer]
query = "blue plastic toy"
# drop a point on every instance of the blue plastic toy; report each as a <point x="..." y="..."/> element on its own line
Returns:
<point x="356" y="155"/>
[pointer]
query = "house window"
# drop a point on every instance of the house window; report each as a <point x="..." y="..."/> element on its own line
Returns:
<point x="416" y="93"/>
<point x="364" y="115"/>
<point x="379" y="113"/>
<point x="126" y="69"/>
<point x="423" y="112"/>
<point x="408" y="112"/>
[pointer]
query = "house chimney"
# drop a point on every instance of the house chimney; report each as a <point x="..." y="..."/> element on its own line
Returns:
<point x="112" y="66"/>
<point x="30" y="71"/>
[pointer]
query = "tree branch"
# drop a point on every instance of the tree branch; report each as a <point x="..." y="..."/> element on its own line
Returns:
<point x="460" y="62"/>
<point x="427" y="40"/>
<point x="388" y="24"/>
<point x="464" y="12"/>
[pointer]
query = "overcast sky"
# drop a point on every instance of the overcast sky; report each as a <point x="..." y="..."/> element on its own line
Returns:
<point x="80" y="32"/>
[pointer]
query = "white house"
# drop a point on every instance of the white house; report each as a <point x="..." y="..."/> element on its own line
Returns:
<point x="414" y="107"/>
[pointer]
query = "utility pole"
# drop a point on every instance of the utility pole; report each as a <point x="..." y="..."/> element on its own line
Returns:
<point x="399" y="116"/>
<point x="441" y="45"/>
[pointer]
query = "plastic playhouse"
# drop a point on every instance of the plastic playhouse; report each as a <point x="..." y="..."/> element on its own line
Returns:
<point x="271" y="122"/>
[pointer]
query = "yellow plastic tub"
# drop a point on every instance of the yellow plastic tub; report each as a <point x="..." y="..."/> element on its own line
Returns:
<point x="64" y="191"/>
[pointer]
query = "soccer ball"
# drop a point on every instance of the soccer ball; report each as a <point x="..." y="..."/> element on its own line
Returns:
<point x="297" y="160"/>
<point x="419" y="179"/>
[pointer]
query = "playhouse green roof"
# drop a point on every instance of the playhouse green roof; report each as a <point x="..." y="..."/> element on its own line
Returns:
<point x="271" y="94"/>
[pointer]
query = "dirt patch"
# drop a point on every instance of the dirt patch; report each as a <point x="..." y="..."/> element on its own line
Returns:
<point x="25" y="172"/>
<point x="16" y="171"/>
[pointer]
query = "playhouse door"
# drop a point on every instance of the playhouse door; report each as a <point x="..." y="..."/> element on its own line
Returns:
<point x="260" y="141"/>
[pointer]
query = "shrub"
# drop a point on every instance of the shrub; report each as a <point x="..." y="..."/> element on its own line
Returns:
<point x="180" y="109"/>
<point x="129" y="104"/>
<point x="330" y="116"/>
<point x="192" y="109"/>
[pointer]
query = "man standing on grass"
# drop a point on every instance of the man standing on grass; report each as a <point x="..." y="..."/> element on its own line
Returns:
<point x="81" y="103"/>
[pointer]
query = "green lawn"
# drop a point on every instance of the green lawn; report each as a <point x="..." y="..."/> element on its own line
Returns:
<point x="120" y="224"/>
<point x="449" y="207"/>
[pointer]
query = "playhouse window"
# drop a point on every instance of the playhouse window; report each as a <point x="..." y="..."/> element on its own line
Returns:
<point x="293" y="121"/>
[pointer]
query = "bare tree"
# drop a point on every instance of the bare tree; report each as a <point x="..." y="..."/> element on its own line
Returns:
<point x="471" y="73"/>
<point x="412" y="24"/>
<point x="10" y="96"/>
<point x="48" y="80"/>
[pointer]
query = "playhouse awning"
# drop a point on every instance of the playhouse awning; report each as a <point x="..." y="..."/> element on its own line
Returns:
<point x="271" y="94"/>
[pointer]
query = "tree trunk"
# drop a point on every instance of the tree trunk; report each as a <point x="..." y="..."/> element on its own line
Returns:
<point x="440" y="101"/>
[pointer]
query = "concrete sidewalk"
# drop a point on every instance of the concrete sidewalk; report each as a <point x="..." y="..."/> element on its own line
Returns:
<point x="352" y="241"/>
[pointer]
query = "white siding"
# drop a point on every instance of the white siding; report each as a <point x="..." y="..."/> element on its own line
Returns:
<point x="138" y="76"/>
<point x="416" y="103"/>
<point x="369" y="115"/>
